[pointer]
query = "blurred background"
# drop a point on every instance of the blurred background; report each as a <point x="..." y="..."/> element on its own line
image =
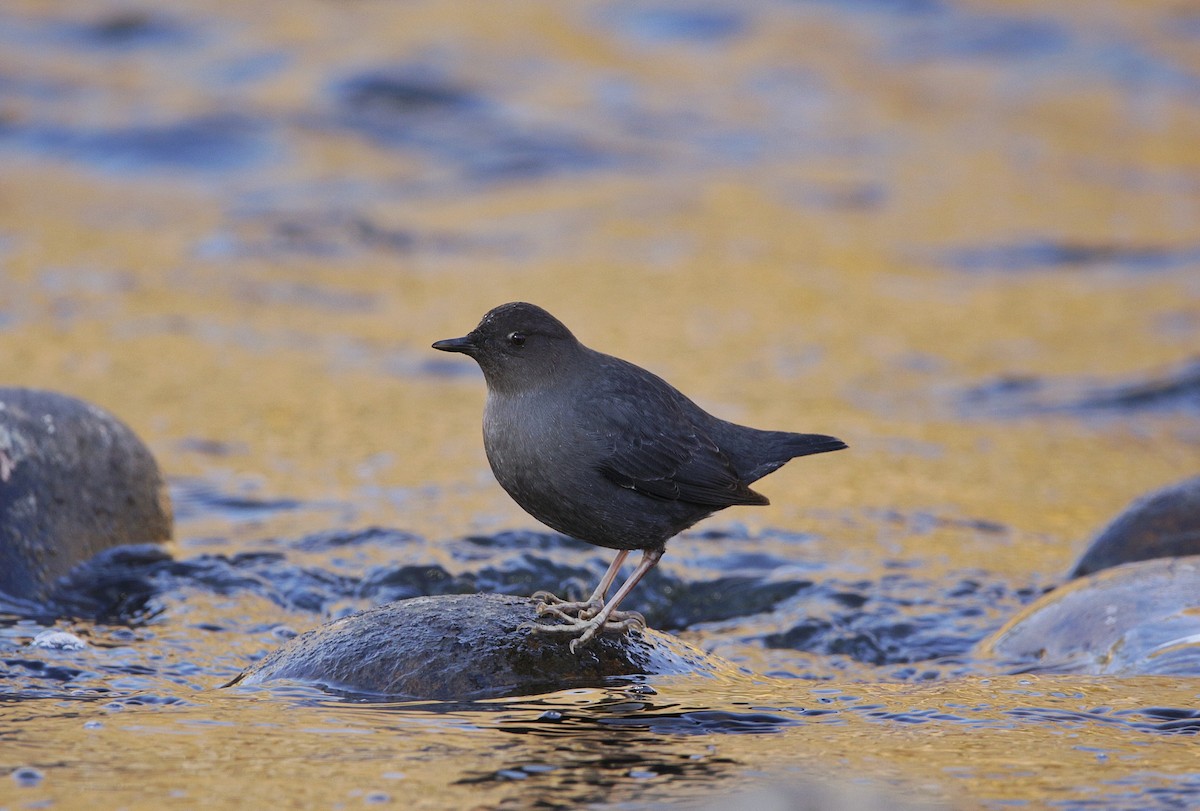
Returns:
<point x="962" y="235"/>
<point x="934" y="228"/>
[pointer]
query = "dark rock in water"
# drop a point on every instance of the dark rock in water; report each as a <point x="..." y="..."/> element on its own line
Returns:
<point x="465" y="646"/>
<point x="73" y="481"/>
<point x="1138" y="618"/>
<point x="1165" y="523"/>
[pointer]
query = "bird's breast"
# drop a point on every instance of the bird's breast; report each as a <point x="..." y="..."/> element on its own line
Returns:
<point x="524" y="437"/>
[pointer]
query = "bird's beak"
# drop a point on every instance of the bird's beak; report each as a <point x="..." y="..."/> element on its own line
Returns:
<point x="464" y="345"/>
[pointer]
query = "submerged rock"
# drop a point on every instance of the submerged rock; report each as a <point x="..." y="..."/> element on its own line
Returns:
<point x="74" y="481"/>
<point x="463" y="646"/>
<point x="1164" y="523"/>
<point x="1138" y="618"/>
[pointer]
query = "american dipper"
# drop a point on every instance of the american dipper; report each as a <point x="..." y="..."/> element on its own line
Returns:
<point x="607" y="452"/>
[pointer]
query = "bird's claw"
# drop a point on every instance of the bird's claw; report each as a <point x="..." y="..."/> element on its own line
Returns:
<point x="544" y="610"/>
<point x="618" y="626"/>
<point x="617" y="622"/>
<point x="625" y="620"/>
<point x="585" y="629"/>
<point x="582" y="640"/>
<point x="569" y="611"/>
<point x="550" y="605"/>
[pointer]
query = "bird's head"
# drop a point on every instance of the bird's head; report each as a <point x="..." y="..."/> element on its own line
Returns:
<point x="518" y="346"/>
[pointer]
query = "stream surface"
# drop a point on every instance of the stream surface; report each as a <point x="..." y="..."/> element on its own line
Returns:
<point x="961" y="235"/>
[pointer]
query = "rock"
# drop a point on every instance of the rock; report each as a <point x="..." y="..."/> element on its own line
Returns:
<point x="73" y="481"/>
<point x="1165" y="523"/>
<point x="1138" y="618"/>
<point x="462" y="646"/>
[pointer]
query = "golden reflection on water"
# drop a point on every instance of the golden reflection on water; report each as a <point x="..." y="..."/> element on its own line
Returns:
<point x="804" y="287"/>
<point x="1003" y="738"/>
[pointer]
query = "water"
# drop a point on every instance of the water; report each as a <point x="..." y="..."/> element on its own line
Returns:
<point x="961" y="236"/>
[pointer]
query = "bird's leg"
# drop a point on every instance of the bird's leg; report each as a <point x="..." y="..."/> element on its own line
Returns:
<point x="548" y="604"/>
<point x="608" y="619"/>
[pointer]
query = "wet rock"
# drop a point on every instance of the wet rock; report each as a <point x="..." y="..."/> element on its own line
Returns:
<point x="1165" y="523"/>
<point x="73" y="481"/>
<point x="1138" y="618"/>
<point x="462" y="647"/>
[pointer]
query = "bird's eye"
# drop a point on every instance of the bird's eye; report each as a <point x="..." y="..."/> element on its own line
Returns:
<point x="516" y="338"/>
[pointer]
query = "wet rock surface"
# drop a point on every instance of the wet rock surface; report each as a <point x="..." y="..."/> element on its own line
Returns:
<point x="461" y="647"/>
<point x="1138" y="618"/>
<point x="1164" y="523"/>
<point x="74" y="481"/>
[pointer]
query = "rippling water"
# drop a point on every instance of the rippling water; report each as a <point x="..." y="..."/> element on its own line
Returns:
<point x="960" y="235"/>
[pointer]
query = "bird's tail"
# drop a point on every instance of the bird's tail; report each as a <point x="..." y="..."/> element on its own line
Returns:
<point x="786" y="446"/>
<point x="808" y="444"/>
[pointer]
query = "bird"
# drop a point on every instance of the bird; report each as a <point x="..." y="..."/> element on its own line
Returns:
<point x="605" y="451"/>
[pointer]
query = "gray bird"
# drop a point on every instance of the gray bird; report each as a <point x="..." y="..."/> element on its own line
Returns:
<point x="604" y="451"/>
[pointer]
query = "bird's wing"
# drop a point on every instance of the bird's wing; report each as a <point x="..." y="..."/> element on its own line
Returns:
<point x="652" y="445"/>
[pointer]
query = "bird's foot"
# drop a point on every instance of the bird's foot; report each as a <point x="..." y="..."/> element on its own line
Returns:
<point x="552" y="606"/>
<point x="585" y="629"/>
